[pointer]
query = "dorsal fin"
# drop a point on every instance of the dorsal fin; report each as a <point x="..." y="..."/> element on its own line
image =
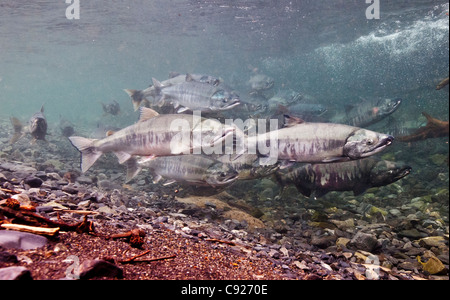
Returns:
<point x="157" y="84"/>
<point x="189" y="77"/>
<point x="146" y="113"/>
<point x="290" y="121"/>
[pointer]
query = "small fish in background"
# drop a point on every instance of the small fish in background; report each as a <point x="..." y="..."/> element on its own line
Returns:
<point x="259" y="83"/>
<point x="37" y="127"/>
<point x="111" y="108"/>
<point x="355" y="175"/>
<point x="369" y="112"/>
<point x="66" y="127"/>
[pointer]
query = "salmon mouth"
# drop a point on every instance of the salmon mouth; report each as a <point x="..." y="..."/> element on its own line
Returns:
<point x="384" y="142"/>
<point x="403" y="172"/>
<point x="234" y="102"/>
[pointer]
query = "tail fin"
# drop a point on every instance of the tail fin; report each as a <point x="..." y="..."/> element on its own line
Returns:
<point x="136" y="97"/>
<point x="18" y="128"/>
<point x="89" y="153"/>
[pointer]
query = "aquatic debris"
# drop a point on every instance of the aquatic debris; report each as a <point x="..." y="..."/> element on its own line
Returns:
<point x="135" y="237"/>
<point x="32" y="229"/>
<point x="133" y="259"/>
<point x="434" y="129"/>
<point x="442" y="84"/>
<point x="34" y="219"/>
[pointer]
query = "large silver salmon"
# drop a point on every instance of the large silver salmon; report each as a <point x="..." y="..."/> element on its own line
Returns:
<point x="318" y="142"/>
<point x="154" y="135"/>
<point x="138" y="96"/>
<point x="196" y="96"/>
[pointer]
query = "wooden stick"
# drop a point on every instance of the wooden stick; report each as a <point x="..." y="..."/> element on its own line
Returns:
<point x="147" y="260"/>
<point x="32" y="229"/>
<point x="9" y="191"/>
<point x="134" y="257"/>
<point x="221" y="241"/>
<point x="33" y="218"/>
<point x="75" y="211"/>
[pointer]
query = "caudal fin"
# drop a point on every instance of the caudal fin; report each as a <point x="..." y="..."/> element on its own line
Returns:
<point x="136" y="97"/>
<point x="89" y="153"/>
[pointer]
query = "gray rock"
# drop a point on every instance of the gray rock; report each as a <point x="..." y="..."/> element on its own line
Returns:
<point x="33" y="181"/>
<point x="84" y="180"/>
<point x="411" y="233"/>
<point x="364" y="241"/>
<point x="15" y="273"/>
<point x="323" y="241"/>
<point x="7" y="257"/>
<point x="99" y="268"/>
<point x="21" y="240"/>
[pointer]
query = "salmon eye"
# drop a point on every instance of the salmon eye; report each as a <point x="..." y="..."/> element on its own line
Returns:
<point x="369" y="142"/>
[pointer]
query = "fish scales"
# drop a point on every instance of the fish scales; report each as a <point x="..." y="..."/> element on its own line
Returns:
<point x="322" y="142"/>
